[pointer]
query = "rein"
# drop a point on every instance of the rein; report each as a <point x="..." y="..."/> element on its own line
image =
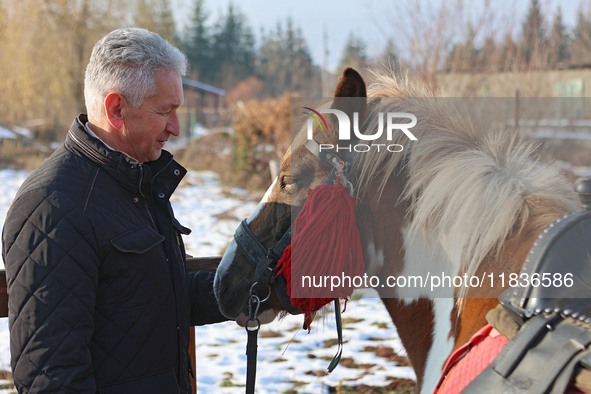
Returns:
<point x="251" y="343"/>
<point x="265" y="263"/>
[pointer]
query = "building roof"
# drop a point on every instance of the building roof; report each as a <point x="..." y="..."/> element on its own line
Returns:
<point x="203" y="87"/>
<point x="7" y="134"/>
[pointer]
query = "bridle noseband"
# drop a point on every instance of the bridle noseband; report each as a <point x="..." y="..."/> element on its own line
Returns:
<point x="265" y="263"/>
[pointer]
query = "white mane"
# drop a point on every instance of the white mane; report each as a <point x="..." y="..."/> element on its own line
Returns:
<point x="468" y="190"/>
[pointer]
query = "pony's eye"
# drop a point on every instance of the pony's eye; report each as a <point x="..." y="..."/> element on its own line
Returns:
<point x="286" y="181"/>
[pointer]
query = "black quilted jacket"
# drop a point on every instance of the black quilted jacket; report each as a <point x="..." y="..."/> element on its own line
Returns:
<point x="99" y="298"/>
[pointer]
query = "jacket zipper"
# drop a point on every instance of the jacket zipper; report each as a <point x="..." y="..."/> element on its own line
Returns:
<point x="191" y="372"/>
<point x="162" y="170"/>
<point x="152" y="180"/>
<point x="146" y="198"/>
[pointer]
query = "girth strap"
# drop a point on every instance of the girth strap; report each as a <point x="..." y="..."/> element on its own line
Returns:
<point x="513" y="352"/>
<point x="569" y="371"/>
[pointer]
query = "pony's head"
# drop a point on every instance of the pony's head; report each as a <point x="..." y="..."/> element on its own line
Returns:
<point x="300" y="170"/>
<point x="458" y="202"/>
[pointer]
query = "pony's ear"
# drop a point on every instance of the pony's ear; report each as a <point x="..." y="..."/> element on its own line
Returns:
<point x="350" y="97"/>
<point x="351" y="84"/>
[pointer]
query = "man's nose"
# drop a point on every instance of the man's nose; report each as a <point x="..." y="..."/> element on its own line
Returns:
<point x="173" y="126"/>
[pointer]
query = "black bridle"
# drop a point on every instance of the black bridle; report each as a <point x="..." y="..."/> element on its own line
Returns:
<point x="265" y="263"/>
<point x="265" y="260"/>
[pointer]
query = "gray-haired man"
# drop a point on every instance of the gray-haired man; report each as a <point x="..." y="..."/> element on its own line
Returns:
<point x="100" y="300"/>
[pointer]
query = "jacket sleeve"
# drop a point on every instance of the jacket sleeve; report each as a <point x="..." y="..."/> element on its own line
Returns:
<point x="204" y="306"/>
<point x="51" y="273"/>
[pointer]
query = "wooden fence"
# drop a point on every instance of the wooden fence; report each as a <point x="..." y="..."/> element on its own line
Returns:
<point x="193" y="265"/>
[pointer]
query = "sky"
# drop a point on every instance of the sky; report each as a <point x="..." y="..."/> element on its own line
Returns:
<point x="372" y="20"/>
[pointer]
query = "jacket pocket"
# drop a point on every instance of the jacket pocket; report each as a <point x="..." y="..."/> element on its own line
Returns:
<point x="137" y="273"/>
<point x="160" y="383"/>
<point x="137" y="240"/>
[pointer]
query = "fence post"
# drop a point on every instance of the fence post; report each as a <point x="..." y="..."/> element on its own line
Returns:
<point x="193" y="359"/>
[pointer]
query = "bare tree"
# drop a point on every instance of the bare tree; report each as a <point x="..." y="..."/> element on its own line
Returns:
<point x="559" y="41"/>
<point x="453" y="36"/>
<point x="45" y="46"/>
<point x="156" y="16"/>
<point x="580" y="47"/>
<point x="426" y="33"/>
<point x="354" y="54"/>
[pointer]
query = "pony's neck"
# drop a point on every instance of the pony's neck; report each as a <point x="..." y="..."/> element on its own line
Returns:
<point x="424" y="327"/>
<point x="424" y="323"/>
<point x="509" y="260"/>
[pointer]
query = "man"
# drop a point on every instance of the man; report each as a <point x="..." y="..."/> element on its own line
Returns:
<point x="99" y="296"/>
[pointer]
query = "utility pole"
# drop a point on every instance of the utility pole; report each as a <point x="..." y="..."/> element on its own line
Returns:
<point x="325" y="92"/>
<point x="516" y="127"/>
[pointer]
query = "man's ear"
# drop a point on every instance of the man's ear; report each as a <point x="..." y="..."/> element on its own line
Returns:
<point x="114" y="107"/>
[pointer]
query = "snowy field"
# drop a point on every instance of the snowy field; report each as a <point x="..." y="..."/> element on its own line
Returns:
<point x="289" y="359"/>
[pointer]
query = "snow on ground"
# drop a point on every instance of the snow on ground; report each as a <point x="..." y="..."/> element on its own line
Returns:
<point x="289" y="359"/>
<point x="10" y="181"/>
<point x="210" y="211"/>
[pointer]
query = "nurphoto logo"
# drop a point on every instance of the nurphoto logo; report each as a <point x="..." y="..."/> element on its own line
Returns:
<point x="345" y="130"/>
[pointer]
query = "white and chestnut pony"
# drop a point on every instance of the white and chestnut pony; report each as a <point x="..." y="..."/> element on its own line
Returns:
<point x="455" y="201"/>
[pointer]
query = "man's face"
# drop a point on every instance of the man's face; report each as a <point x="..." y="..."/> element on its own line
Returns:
<point x="147" y="128"/>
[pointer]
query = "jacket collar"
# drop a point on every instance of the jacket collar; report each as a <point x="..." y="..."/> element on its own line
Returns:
<point x="131" y="174"/>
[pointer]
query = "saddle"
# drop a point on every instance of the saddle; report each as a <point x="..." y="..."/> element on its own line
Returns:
<point x="548" y="321"/>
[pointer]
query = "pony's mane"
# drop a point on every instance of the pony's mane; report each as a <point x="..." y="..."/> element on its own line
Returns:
<point x="468" y="190"/>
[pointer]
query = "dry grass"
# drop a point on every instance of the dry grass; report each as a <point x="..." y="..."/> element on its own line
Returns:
<point x="212" y="153"/>
<point x="8" y="385"/>
<point x="262" y="133"/>
<point x="19" y="155"/>
<point x="396" y="386"/>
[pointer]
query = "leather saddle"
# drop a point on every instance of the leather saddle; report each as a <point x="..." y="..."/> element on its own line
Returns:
<point x="552" y="306"/>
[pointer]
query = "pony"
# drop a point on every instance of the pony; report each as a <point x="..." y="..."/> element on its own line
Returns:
<point x="454" y="201"/>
